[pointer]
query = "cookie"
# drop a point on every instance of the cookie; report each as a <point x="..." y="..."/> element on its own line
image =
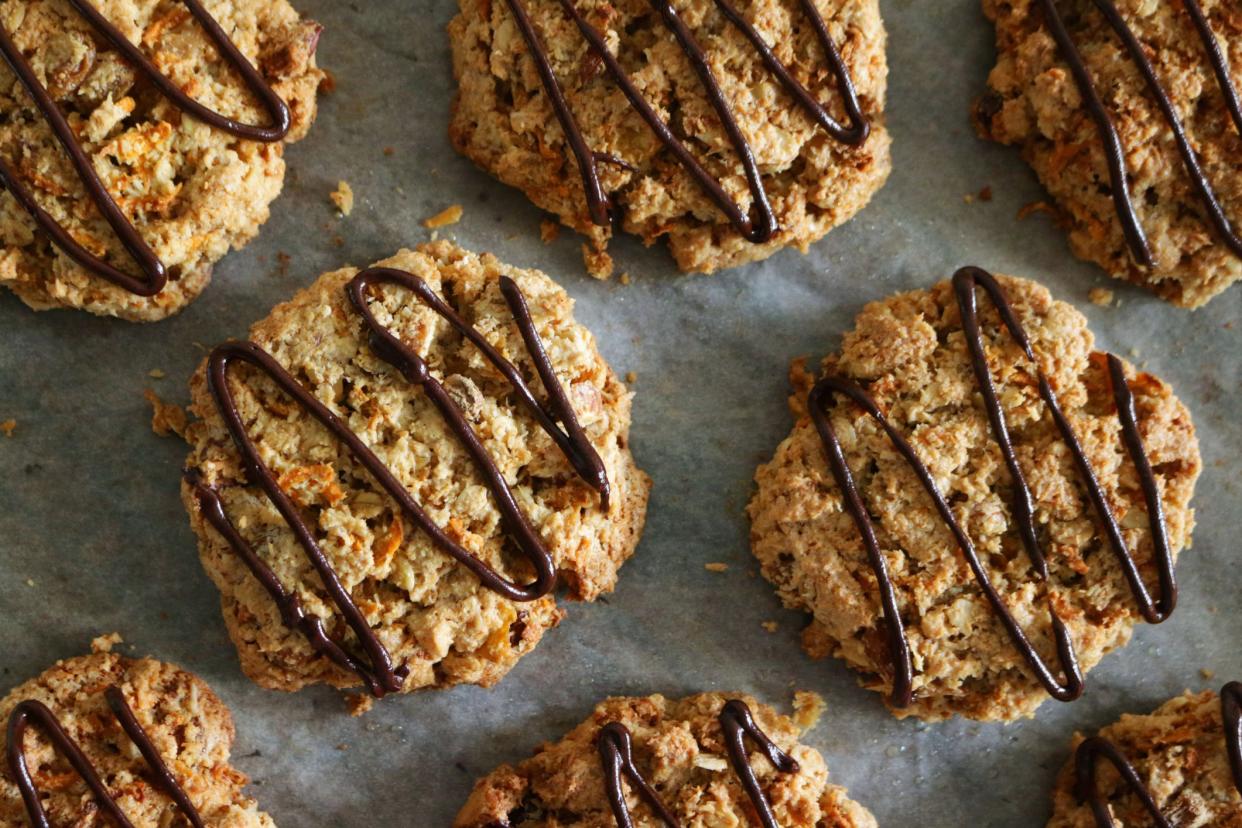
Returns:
<point x="140" y="141"/>
<point x="703" y="760"/>
<point x="1178" y="766"/>
<point x="730" y="130"/>
<point x="391" y="477"/>
<point x="102" y="739"/>
<point x="975" y="508"/>
<point x="1129" y="113"/>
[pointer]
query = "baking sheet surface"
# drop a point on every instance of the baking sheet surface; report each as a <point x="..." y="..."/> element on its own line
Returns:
<point x="93" y="538"/>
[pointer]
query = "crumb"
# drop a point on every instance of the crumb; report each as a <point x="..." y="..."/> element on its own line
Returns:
<point x="716" y="567"/>
<point x="968" y="198"/>
<point x="549" y="231"/>
<point x="598" y="263"/>
<point x="389" y="151"/>
<point x="625" y="278"/>
<point x="631" y="377"/>
<point x="1207" y="674"/>
<point x="1037" y="207"/>
<point x="359" y="704"/>
<point x="342" y="746"/>
<point x="1100" y="296"/>
<point x="328" y="85"/>
<point x="30" y="582"/>
<point x="770" y="626"/>
<point x="985" y="194"/>
<point x="338" y="241"/>
<point x="166" y="418"/>
<point x="105" y="643"/>
<point x="343" y="197"/>
<point x="808" y="707"/>
<point x="449" y="215"/>
<point x="156" y="373"/>
<point x="1135" y="353"/>
<point x="8" y="427"/>
<point x="282" y="261"/>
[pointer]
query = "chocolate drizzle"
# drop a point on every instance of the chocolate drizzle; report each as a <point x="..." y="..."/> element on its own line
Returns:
<point x="155" y="276"/>
<point x="965" y="282"/>
<point x="1113" y="149"/>
<point x="599" y="205"/>
<point x="736" y="723"/>
<point x="1095" y="748"/>
<point x="378" y="672"/>
<point x="35" y="713"/>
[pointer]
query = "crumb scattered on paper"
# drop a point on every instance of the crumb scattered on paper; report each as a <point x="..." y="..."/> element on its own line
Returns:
<point x="166" y="418"/>
<point x="985" y="194"/>
<point x="549" y="231"/>
<point x="808" y="707"/>
<point x="1037" y="207"/>
<point x="30" y="582"/>
<point x="716" y="567"/>
<point x="328" y="85"/>
<point x="343" y="197"/>
<point x="770" y="626"/>
<point x="156" y="373"/>
<point x="449" y="215"/>
<point x="390" y="151"/>
<point x="969" y="198"/>
<point x="598" y="263"/>
<point x="1100" y="296"/>
<point x="625" y="278"/>
<point x="8" y="427"/>
<point x="105" y="643"/>
<point x="631" y="377"/>
<point x="359" y="703"/>
<point x="1207" y="674"/>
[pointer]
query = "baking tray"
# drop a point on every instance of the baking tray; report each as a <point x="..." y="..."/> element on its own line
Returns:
<point x="93" y="537"/>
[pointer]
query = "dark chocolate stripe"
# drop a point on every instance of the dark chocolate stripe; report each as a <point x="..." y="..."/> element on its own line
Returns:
<point x="1092" y="750"/>
<point x="378" y="672"/>
<point x="598" y="203"/>
<point x="965" y="282"/>
<point x="35" y="713"/>
<point x="616" y="752"/>
<point x="155" y="276"/>
<point x="1113" y="150"/>
<point x="1088" y="755"/>
<point x="1231" y="715"/>
<point x="736" y="723"/>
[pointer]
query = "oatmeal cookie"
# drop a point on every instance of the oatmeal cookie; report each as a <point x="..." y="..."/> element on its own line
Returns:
<point x="191" y="190"/>
<point x="190" y="730"/>
<point x="816" y="170"/>
<point x="1144" y="218"/>
<point x="679" y="758"/>
<point x="911" y="358"/>
<point x="433" y="618"/>
<point x="1184" y="755"/>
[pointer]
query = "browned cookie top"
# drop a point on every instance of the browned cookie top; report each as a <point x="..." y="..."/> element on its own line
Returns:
<point x="192" y="191"/>
<point x="679" y="749"/>
<point x="505" y="120"/>
<point x="909" y="354"/>
<point x="189" y="727"/>
<point x="1036" y="102"/>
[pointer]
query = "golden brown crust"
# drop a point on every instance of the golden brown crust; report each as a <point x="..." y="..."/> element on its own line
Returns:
<point x="1034" y="103"/>
<point x="502" y="119"/>
<point x="430" y="612"/>
<point x="1180" y="754"/>
<point x="192" y="191"/>
<point x="909" y="352"/>
<point x="680" y="751"/>
<point x="188" y="725"/>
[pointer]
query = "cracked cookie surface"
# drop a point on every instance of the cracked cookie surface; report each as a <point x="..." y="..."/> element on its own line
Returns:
<point x="679" y="748"/>
<point x="430" y="612"/>
<point x="189" y="726"/>
<point x="1180" y="754"/>
<point x="909" y="353"/>
<point x="1034" y="103"/>
<point x="193" y="192"/>
<point x="503" y="120"/>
